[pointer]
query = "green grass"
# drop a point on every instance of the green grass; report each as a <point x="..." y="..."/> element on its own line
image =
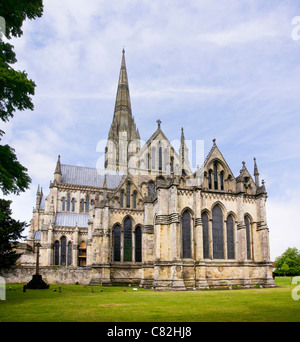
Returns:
<point x="77" y="303"/>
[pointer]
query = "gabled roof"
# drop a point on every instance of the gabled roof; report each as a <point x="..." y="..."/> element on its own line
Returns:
<point x="214" y="153"/>
<point x="79" y="175"/>
<point x="71" y="220"/>
<point x="155" y="136"/>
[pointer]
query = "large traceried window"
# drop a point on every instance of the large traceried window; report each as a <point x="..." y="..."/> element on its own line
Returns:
<point x="248" y="237"/>
<point x="117" y="243"/>
<point x="230" y="237"/>
<point x="205" y="236"/>
<point x="217" y="233"/>
<point x="63" y="250"/>
<point x="56" y="253"/>
<point x="127" y="239"/>
<point x="138" y="244"/>
<point x="186" y="234"/>
<point x="70" y="253"/>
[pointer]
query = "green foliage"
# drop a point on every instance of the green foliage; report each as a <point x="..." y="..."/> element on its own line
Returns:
<point x="288" y="263"/>
<point x="10" y="232"/>
<point x="16" y="11"/>
<point x="13" y="176"/>
<point x="15" y="89"/>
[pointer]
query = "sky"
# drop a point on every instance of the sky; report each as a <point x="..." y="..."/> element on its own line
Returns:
<point x="228" y="71"/>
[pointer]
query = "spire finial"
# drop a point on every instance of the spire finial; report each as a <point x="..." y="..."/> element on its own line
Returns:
<point x="214" y="141"/>
<point x="58" y="167"/>
<point x="158" y="123"/>
<point x="256" y="173"/>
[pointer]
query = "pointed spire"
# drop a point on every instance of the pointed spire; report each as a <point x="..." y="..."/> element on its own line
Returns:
<point x="183" y="153"/>
<point x="123" y="104"/>
<point x="38" y="198"/>
<point x="58" y="166"/>
<point x="57" y="173"/>
<point x="256" y="173"/>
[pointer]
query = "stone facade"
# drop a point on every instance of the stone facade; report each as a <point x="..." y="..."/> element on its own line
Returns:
<point x="147" y="219"/>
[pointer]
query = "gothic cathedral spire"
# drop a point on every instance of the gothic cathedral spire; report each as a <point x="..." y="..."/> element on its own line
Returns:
<point x="123" y="137"/>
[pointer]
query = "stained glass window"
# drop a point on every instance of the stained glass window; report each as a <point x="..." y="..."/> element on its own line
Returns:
<point x="127" y="239"/>
<point x="63" y="250"/>
<point x="117" y="243"/>
<point x="186" y="235"/>
<point x="138" y="244"/>
<point x="205" y="236"/>
<point x="217" y="233"/>
<point x="248" y="238"/>
<point x="230" y="237"/>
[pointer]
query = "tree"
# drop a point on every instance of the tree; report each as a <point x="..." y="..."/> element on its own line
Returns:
<point x="10" y="232"/>
<point x="15" y="94"/>
<point x="288" y="262"/>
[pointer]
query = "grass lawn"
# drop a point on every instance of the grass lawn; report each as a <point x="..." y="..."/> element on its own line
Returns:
<point x="78" y="303"/>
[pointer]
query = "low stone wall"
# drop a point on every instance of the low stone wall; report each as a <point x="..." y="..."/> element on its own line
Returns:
<point x="51" y="275"/>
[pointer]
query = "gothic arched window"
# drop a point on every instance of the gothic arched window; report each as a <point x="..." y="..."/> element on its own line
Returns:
<point x="205" y="236"/>
<point x="215" y="176"/>
<point x="68" y="202"/>
<point x="248" y="237"/>
<point x="117" y="243"/>
<point x="159" y="157"/>
<point x="230" y="237"/>
<point x="63" y="204"/>
<point x="73" y="204"/>
<point x="63" y="250"/>
<point x="121" y="198"/>
<point x="56" y="253"/>
<point x="69" y="253"/>
<point x="217" y="233"/>
<point x="87" y="202"/>
<point x="222" y="180"/>
<point x="138" y="244"/>
<point x="134" y="199"/>
<point x="186" y="234"/>
<point x="128" y="195"/>
<point x="153" y="158"/>
<point x="82" y="205"/>
<point x="127" y="239"/>
<point x="209" y="178"/>
<point x="148" y="161"/>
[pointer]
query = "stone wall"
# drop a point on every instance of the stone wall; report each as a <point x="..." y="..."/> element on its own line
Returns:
<point x="51" y="275"/>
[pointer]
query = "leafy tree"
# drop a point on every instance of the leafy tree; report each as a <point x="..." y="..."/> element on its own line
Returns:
<point x="15" y="94"/>
<point x="15" y="89"/>
<point x="288" y="262"/>
<point x="10" y="232"/>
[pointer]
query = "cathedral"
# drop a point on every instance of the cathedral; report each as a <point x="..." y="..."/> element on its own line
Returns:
<point x="147" y="219"/>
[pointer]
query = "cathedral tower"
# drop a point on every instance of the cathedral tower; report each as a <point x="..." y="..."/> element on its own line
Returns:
<point x="123" y="137"/>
